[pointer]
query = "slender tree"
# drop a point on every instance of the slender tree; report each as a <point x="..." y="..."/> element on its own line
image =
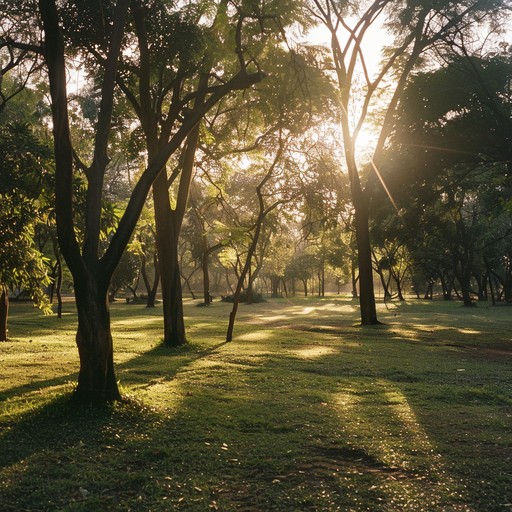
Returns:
<point x="418" y="28"/>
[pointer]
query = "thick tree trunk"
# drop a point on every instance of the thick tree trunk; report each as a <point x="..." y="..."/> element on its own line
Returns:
<point x="364" y="258"/>
<point x="170" y="279"/>
<point x="96" y="380"/>
<point x="275" y="282"/>
<point x="4" y="312"/>
<point x="446" y="286"/>
<point x="465" y="288"/>
<point x="57" y="284"/>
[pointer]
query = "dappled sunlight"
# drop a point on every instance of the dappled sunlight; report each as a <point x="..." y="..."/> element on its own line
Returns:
<point x="313" y="352"/>
<point x="132" y="324"/>
<point x="204" y="325"/>
<point x="268" y="319"/>
<point x="161" y="393"/>
<point x="305" y="311"/>
<point x="259" y="335"/>
<point x="469" y="331"/>
<point x="382" y="419"/>
<point x="405" y="332"/>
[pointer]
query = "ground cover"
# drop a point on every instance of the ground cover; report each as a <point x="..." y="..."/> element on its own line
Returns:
<point x="304" y="410"/>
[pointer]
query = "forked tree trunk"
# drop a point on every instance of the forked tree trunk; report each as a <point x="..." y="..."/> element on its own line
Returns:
<point x="4" y="312"/>
<point x="96" y="380"/>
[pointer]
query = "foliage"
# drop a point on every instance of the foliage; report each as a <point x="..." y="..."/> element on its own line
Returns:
<point x="448" y="169"/>
<point x="22" y="164"/>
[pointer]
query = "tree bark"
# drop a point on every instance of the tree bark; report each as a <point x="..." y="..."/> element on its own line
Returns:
<point x="168" y="261"/>
<point x="305" y="283"/>
<point x="367" y="304"/>
<point x="96" y="380"/>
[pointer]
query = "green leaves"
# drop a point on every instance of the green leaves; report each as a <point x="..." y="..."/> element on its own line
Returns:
<point x="24" y="162"/>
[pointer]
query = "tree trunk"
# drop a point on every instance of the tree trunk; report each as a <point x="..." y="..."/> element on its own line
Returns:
<point x="285" y="289"/>
<point x="398" y="282"/>
<point x="274" y="284"/>
<point x="206" y="275"/>
<point x="355" y="279"/>
<point x="96" y="380"/>
<point x="58" y="289"/>
<point x="321" y="277"/>
<point x="384" y="283"/>
<point x="364" y="258"/>
<point x="150" y="289"/>
<point x="4" y="312"/>
<point x="170" y="279"/>
<point x="429" y="292"/>
<point x="490" y="278"/>
<point x="250" y="296"/>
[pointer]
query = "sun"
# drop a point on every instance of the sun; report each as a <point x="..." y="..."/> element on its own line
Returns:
<point x="365" y="143"/>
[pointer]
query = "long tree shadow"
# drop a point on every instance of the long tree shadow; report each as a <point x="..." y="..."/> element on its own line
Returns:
<point x="156" y="363"/>
<point x="283" y="422"/>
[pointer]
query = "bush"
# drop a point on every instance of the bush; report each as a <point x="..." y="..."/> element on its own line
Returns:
<point x="256" y="297"/>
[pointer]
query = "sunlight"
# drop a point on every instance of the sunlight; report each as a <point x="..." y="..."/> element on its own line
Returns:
<point x="365" y="143"/>
<point x="268" y="319"/>
<point x="469" y="331"/>
<point x="305" y="311"/>
<point x="313" y="352"/>
<point x="255" y="336"/>
<point x="401" y="439"/>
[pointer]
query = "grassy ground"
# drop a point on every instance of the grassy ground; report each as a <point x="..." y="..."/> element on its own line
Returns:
<point x="303" y="411"/>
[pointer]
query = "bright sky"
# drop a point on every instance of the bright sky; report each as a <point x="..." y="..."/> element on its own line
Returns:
<point x="375" y="39"/>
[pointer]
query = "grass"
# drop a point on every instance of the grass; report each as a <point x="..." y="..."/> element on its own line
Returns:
<point x="303" y="411"/>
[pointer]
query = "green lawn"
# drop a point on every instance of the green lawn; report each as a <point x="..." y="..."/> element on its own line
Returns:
<point x="305" y="410"/>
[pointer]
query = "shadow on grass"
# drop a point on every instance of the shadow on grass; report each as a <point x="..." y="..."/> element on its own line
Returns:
<point x="297" y="420"/>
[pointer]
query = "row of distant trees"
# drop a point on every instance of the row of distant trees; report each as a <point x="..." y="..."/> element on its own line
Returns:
<point x="162" y="139"/>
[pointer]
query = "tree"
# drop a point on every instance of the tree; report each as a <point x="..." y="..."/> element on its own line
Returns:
<point x="418" y="27"/>
<point x="91" y="270"/>
<point x="448" y="170"/>
<point x="264" y="209"/>
<point x="22" y="163"/>
<point x="183" y="58"/>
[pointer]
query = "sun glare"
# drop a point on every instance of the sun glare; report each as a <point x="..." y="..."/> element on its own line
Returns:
<point x="365" y="144"/>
